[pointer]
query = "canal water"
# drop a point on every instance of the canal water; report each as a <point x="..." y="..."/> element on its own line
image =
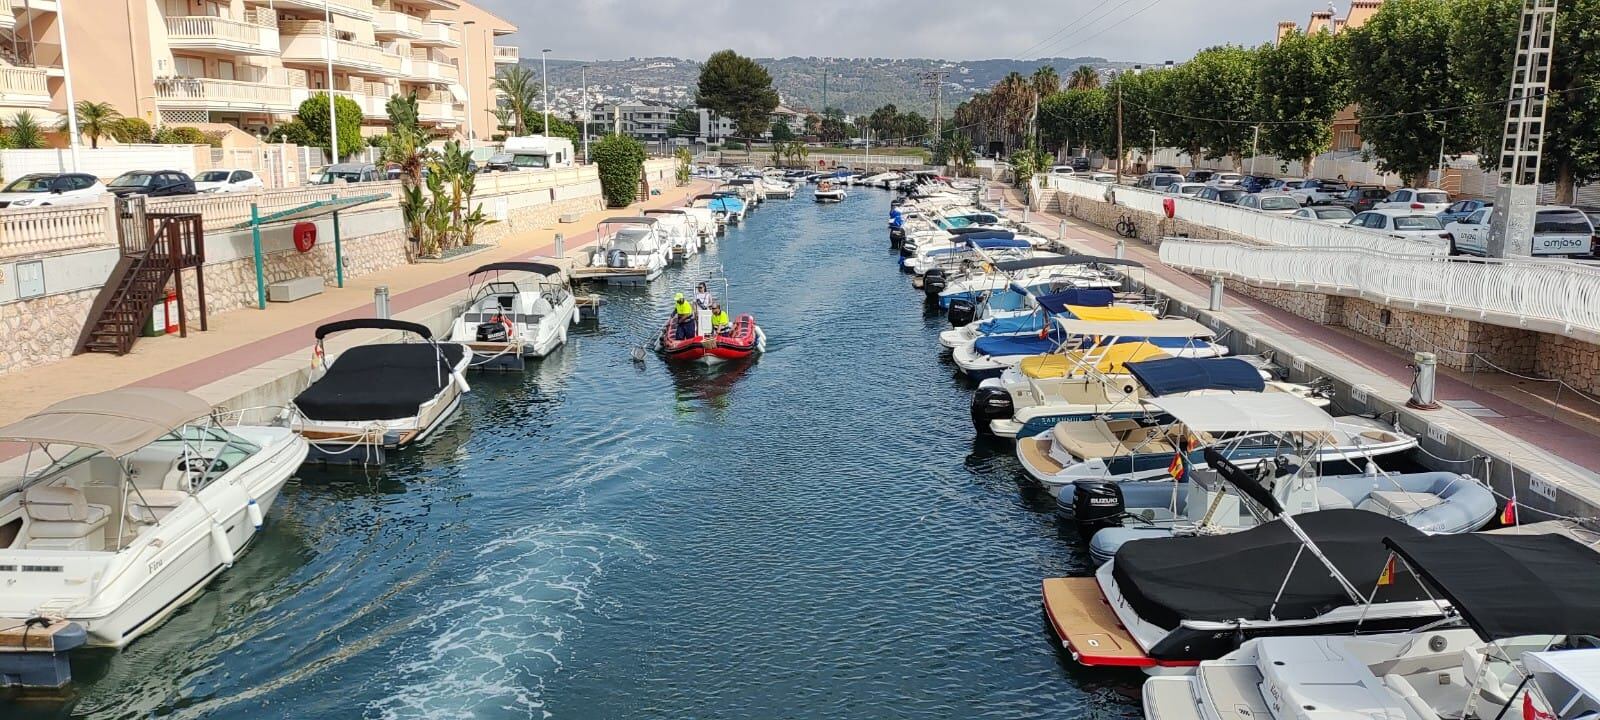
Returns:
<point x="812" y="535"/>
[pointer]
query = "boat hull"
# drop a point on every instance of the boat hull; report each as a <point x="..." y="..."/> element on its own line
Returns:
<point x="744" y="340"/>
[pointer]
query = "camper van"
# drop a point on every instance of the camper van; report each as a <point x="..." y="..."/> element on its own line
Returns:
<point x="534" y="152"/>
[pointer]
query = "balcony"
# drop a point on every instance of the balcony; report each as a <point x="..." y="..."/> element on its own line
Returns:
<point x="373" y="107"/>
<point x="507" y="54"/>
<point x="220" y="35"/>
<point x="303" y="42"/>
<point x="23" y="87"/>
<point x="442" y="112"/>
<point x="8" y="18"/>
<point x="433" y="70"/>
<point x="388" y="23"/>
<point x="438" y="35"/>
<point x="180" y="93"/>
<point x="358" y="9"/>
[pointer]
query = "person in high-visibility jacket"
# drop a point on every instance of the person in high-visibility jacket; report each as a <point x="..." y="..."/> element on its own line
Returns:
<point x="719" y="320"/>
<point x="685" y="313"/>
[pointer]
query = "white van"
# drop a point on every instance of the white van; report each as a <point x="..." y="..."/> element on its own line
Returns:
<point x="537" y="152"/>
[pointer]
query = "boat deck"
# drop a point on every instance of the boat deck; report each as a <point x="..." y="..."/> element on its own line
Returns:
<point x="1087" y="626"/>
<point x="17" y="635"/>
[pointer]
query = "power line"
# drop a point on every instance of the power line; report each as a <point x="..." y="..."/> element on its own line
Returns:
<point x="1135" y="14"/>
<point x="1076" y="25"/>
<point x="1408" y="113"/>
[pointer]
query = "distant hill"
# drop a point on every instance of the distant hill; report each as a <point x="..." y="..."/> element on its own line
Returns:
<point x="856" y="85"/>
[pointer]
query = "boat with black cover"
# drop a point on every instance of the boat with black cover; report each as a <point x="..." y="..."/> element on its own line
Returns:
<point x="380" y="396"/>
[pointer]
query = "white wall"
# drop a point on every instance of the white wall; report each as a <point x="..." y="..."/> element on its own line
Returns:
<point x="104" y="163"/>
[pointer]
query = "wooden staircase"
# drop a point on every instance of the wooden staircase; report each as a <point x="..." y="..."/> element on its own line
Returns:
<point x="155" y="248"/>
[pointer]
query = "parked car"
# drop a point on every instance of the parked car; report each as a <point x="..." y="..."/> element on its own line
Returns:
<point x="1428" y="200"/>
<point x="1158" y="181"/>
<point x="1460" y="209"/>
<point x="1404" y="223"/>
<point x="1277" y="203"/>
<point x="349" y="173"/>
<point x="1362" y="198"/>
<point x="1062" y="171"/>
<point x="227" y="181"/>
<point x="152" y="183"/>
<point x="1316" y="192"/>
<point x="1185" y="188"/>
<point x="1225" y="194"/>
<point x="1167" y="169"/>
<point x="45" y="189"/>
<point x="1103" y="177"/>
<point x="1254" y="183"/>
<point x="1225" y="178"/>
<point x="1558" y="231"/>
<point x="1199" y="176"/>
<point x="1336" y="214"/>
<point x="1080" y="164"/>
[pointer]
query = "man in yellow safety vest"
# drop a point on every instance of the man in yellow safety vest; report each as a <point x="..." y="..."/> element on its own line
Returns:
<point x="685" y="313"/>
<point x="719" y="320"/>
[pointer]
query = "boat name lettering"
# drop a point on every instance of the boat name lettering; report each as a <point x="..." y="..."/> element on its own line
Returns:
<point x="41" y="568"/>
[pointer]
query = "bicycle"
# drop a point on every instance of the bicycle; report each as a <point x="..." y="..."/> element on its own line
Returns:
<point x="1126" y="227"/>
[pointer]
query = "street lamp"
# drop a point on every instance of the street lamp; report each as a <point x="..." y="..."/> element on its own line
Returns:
<point x="466" y="54"/>
<point x="66" y="71"/>
<point x="544" y="71"/>
<point x="584" y="104"/>
<point x="333" y="105"/>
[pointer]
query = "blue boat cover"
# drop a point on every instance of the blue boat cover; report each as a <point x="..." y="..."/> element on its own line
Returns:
<point x="1085" y="297"/>
<point x="1001" y="345"/>
<point x="985" y="234"/>
<point x="1007" y="301"/>
<point x="1032" y="322"/>
<point x="998" y="243"/>
<point x="1177" y="375"/>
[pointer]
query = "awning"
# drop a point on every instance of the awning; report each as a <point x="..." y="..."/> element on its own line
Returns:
<point x="311" y="210"/>
<point x="1568" y="679"/>
<point x="974" y="233"/>
<point x="637" y="220"/>
<point x="1068" y="259"/>
<point x="518" y="266"/>
<point x="1180" y="375"/>
<point x="1176" y="328"/>
<point x="1256" y="412"/>
<point x="998" y="243"/>
<point x="1081" y="297"/>
<point x="116" y="422"/>
<point x="1107" y="313"/>
<point x="373" y="324"/>
<point x="1511" y="585"/>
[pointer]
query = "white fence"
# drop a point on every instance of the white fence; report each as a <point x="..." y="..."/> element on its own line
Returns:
<point x="1267" y="228"/>
<point x="106" y="162"/>
<point x="1519" y="293"/>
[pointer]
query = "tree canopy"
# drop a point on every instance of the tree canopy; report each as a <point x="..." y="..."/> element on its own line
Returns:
<point x="737" y="88"/>
<point x="1301" y="84"/>
<point x="313" y="115"/>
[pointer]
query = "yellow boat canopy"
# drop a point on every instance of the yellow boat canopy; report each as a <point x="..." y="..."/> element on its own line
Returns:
<point x="1111" y="361"/>
<point x="1109" y="314"/>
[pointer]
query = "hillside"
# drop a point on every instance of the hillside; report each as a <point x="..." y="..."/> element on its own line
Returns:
<point x="855" y="85"/>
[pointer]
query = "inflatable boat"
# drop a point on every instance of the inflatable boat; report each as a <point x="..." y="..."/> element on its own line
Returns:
<point x="742" y="340"/>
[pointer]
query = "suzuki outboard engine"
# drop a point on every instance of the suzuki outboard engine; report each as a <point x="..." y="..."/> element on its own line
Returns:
<point x="961" y="312"/>
<point x="990" y="403"/>
<point x="933" y="282"/>
<point x="897" y="236"/>
<point x="492" y="332"/>
<point x="1097" y="505"/>
<point x="618" y="259"/>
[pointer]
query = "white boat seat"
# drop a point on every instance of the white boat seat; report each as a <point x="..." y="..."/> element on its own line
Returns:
<point x="1408" y="694"/>
<point x="1330" y="499"/>
<point x="61" y="512"/>
<point x="1399" y="503"/>
<point x="150" y="506"/>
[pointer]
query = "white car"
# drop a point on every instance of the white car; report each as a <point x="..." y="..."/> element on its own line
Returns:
<point x="1409" y="224"/>
<point x="224" y="180"/>
<point x="46" y="189"/>
<point x="1315" y="192"/>
<point x="1101" y="177"/>
<point x="1557" y="232"/>
<point x="1225" y="178"/>
<point x="1061" y="171"/>
<point x="1275" y="203"/>
<point x="1429" y="200"/>
<point x="1334" y="214"/>
<point x="1185" y="188"/>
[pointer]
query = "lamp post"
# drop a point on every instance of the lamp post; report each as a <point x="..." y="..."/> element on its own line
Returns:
<point x="333" y="105"/>
<point x="66" y="71"/>
<point x="466" y="54"/>
<point x="584" y="76"/>
<point x="544" y="80"/>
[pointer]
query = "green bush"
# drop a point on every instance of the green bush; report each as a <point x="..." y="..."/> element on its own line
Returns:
<point x="313" y="114"/>
<point x="180" y="135"/>
<point x="621" y="163"/>
<point x="131" y="130"/>
<point x="294" y="132"/>
<point x="733" y="145"/>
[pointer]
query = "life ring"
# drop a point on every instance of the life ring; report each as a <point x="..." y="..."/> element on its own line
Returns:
<point x="511" y="328"/>
<point x="305" y="236"/>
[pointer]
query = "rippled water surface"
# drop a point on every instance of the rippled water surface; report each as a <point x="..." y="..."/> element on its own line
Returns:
<point x="813" y="535"/>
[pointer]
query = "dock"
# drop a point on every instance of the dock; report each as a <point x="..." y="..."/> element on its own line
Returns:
<point x="34" y="652"/>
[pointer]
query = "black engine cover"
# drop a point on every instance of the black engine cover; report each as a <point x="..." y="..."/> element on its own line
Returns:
<point x="1097" y="505"/>
<point x="491" y="332"/>
<point x="961" y="312"/>
<point x="990" y="403"/>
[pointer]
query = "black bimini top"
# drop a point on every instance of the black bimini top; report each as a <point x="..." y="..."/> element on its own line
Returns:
<point x="519" y="266"/>
<point x="1511" y="585"/>
<point x="1070" y="259"/>
<point x="1223" y="578"/>
<point x="386" y="381"/>
<point x="373" y="324"/>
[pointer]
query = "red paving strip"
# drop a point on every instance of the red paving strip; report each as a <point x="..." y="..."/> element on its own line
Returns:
<point x="1519" y="421"/>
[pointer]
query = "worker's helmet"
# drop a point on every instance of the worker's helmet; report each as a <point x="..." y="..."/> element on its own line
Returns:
<point x="677" y="296"/>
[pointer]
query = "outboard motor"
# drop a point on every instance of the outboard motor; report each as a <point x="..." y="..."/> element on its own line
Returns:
<point x="491" y="332"/>
<point x="962" y="312"/>
<point x="1097" y="505"/>
<point x="933" y="282"/>
<point x="618" y="259"/>
<point x="897" y="236"/>
<point x="990" y="403"/>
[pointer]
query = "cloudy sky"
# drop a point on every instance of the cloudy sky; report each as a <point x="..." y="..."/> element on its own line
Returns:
<point x="1134" y="30"/>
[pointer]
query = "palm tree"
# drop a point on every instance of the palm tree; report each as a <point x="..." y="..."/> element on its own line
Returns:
<point x="1084" y="78"/>
<point x="521" y="91"/>
<point x="95" y="120"/>
<point x="25" y="133"/>
<point x="1045" y="80"/>
<point x="1013" y="97"/>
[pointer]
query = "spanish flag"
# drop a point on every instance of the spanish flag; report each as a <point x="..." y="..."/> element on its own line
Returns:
<point x="1508" y="516"/>
<point x="1176" y="469"/>
<point x="1387" y="577"/>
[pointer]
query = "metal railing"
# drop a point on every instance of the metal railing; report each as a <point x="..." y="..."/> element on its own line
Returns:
<point x="1565" y="295"/>
<point x="507" y="53"/>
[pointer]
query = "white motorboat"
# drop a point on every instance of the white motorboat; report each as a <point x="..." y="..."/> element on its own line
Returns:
<point x="990" y="356"/>
<point x="828" y="191"/>
<point x="381" y="396"/>
<point x="776" y="188"/>
<point x="704" y="222"/>
<point x="681" y="230"/>
<point x="127" y="503"/>
<point x="507" y="321"/>
<point x="1529" y="613"/>
<point x="628" y="250"/>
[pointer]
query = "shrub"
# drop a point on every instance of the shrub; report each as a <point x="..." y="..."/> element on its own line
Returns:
<point x="180" y="135"/>
<point x="733" y="145"/>
<point x="313" y="114"/>
<point x="621" y="163"/>
<point x="294" y="132"/>
<point x="131" y="130"/>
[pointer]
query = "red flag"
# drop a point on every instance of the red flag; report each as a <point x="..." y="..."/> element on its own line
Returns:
<point x="1176" y="469"/>
<point x="1508" y="516"/>
<point x="1387" y="577"/>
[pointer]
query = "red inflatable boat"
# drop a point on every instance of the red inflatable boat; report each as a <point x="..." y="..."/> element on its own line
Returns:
<point x="741" y="341"/>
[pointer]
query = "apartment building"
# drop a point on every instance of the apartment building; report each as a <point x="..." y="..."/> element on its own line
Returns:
<point x="250" y="63"/>
<point x="646" y="123"/>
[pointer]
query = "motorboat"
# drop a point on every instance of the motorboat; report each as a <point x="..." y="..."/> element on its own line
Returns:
<point x="961" y="253"/>
<point x="725" y="205"/>
<point x="1041" y="273"/>
<point x="1164" y="605"/>
<point x="508" y="321"/>
<point x="704" y="222"/>
<point x="751" y="191"/>
<point x="628" y="250"/>
<point x="828" y="191"/>
<point x="127" y="503"/>
<point x="776" y="188"/>
<point x="1123" y="450"/>
<point x="379" y="397"/>
<point x="1222" y="498"/>
<point x="680" y="230"/>
<point x="1082" y="328"/>
<point x="701" y="343"/>
<point x="1523" y="608"/>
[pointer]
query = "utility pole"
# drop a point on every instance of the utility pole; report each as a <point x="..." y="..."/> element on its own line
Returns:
<point x="934" y="81"/>
<point x="544" y="71"/>
<point x="824" y="92"/>
<point x="1522" y="146"/>
<point x="583" y="73"/>
<point x="1119" y="132"/>
<point x="333" y="104"/>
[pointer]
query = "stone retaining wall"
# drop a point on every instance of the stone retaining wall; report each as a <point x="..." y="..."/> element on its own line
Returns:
<point x="43" y="329"/>
<point x="232" y="285"/>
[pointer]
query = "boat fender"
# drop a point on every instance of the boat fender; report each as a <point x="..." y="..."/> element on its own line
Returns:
<point x="461" y="380"/>
<point x="219" y="539"/>
<point x="252" y="510"/>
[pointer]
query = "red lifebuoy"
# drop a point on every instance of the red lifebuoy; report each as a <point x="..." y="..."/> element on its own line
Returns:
<point x="305" y="236"/>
